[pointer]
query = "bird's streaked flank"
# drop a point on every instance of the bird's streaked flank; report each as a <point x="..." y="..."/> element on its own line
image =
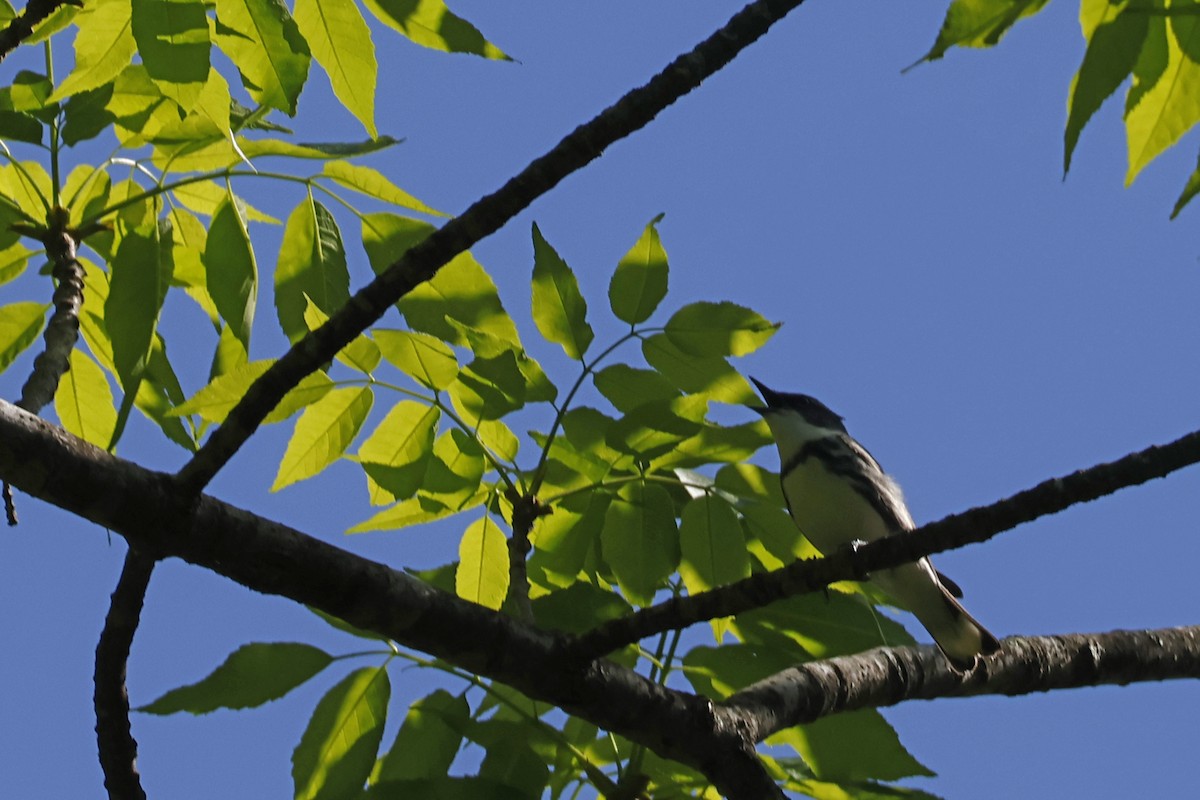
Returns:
<point x="838" y="494"/>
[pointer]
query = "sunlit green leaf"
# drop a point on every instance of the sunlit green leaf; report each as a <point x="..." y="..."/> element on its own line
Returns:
<point x="431" y="24"/>
<point x="257" y="148"/>
<point x="712" y="547"/>
<point x="563" y="539"/>
<point x="104" y="46"/>
<point x="262" y="39"/>
<point x="159" y="393"/>
<point x="231" y="271"/>
<point x="397" y="452"/>
<point x="482" y="575"/>
<point x="1113" y="47"/>
<point x="341" y="44"/>
<point x="13" y="260"/>
<point x="1167" y="94"/>
<point x="640" y="281"/>
<point x="312" y="264"/>
<point x="323" y="432"/>
<point x="424" y="358"/>
<point x="639" y="540"/>
<point x="29" y="186"/>
<point x="559" y="310"/>
<point x="627" y="387"/>
<point x="141" y="275"/>
<point x="489" y="388"/>
<point x="453" y="474"/>
<point x="654" y="428"/>
<point x="205" y="197"/>
<point x="428" y="741"/>
<point x="771" y="525"/>
<point x="373" y="184"/>
<point x="716" y="444"/>
<point x="710" y="376"/>
<point x="20" y="324"/>
<point x="84" y="401"/>
<point x="718" y="329"/>
<point x="413" y="511"/>
<point x="979" y="23"/>
<point x="361" y="354"/>
<point x="252" y="675"/>
<point x="876" y="754"/>
<point x="338" y="748"/>
<point x="172" y="40"/>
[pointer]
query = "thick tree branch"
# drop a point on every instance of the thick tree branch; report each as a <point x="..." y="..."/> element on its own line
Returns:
<point x="484" y="217"/>
<point x="956" y="530"/>
<point x="47" y="462"/>
<point x="117" y="747"/>
<point x="887" y="676"/>
<point x="21" y="28"/>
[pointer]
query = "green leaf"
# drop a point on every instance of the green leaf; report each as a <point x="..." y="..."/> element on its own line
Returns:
<point x="453" y="474"/>
<point x="640" y="281"/>
<point x="979" y="23"/>
<point x="710" y="376"/>
<point x="489" y="388"/>
<point x="428" y="741"/>
<point x="718" y="329"/>
<point x="1112" y="51"/>
<point x="715" y="444"/>
<point x="713" y="549"/>
<point x="1167" y="102"/>
<point x="262" y="39"/>
<point x="413" y="511"/>
<point x="396" y="454"/>
<point x="717" y="672"/>
<point x="232" y="274"/>
<point x="563" y="540"/>
<point x="86" y="115"/>
<point x="323" y="432"/>
<point x="578" y="608"/>
<point x="20" y="324"/>
<point x="312" y="264"/>
<point x="13" y="260"/>
<point x="159" y="393"/>
<point x="20" y="126"/>
<point x="338" y="748"/>
<point x="214" y="402"/>
<point x="877" y="752"/>
<point x="256" y="148"/>
<point x="341" y="44"/>
<point x="772" y="526"/>
<point x="430" y="24"/>
<point x="360" y="354"/>
<point x="446" y="787"/>
<point x="655" y="428"/>
<point x="373" y="184"/>
<point x="482" y="575"/>
<point x="639" y="540"/>
<point x="84" y="401"/>
<point x="345" y="627"/>
<point x="424" y="358"/>
<point x="461" y="290"/>
<point x="141" y="274"/>
<point x="104" y="46"/>
<point x="252" y="675"/>
<point x="172" y="40"/>
<point x="559" y="310"/>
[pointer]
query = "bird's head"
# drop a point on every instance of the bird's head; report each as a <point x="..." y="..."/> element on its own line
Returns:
<point x="800" y="415"/>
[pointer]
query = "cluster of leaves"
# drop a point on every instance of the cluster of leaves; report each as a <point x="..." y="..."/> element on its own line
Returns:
<point x="173" y="219"/>
<point x="1155" y="43"/>
<point x="651" y="500"/>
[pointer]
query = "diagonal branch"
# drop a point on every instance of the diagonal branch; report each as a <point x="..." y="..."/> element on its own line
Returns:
<point x="887" y="676"/>
<point x="115" y="744"/>
<point x="583" y="145"/>
<point x="957" y="530"/>
<point x="47" y="462"/>
<point x="21" y="28"/>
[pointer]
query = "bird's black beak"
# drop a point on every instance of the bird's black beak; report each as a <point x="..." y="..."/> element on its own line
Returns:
<point x="767" y="394"/>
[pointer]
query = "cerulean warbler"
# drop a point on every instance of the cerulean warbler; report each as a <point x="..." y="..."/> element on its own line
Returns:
<point x="838" y="495"/>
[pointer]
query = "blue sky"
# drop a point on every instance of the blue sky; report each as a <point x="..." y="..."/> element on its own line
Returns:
<point x="981" y="324"/>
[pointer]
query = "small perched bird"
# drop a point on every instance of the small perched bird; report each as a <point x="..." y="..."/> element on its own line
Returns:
<point x="838" y="494"/>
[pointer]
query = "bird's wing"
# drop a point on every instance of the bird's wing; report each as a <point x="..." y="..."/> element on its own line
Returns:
<point x="850" y="459"/>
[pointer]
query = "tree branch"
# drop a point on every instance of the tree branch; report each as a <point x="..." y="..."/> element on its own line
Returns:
<point x="484" y="217"/>
<point x="51" y="464"/>
<point x="957" y="530"/>
<point x="116" y="745"/>
<point x="887" y="676"/>
<point x="62" y="332"/>
<point x="21" y="28"/>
